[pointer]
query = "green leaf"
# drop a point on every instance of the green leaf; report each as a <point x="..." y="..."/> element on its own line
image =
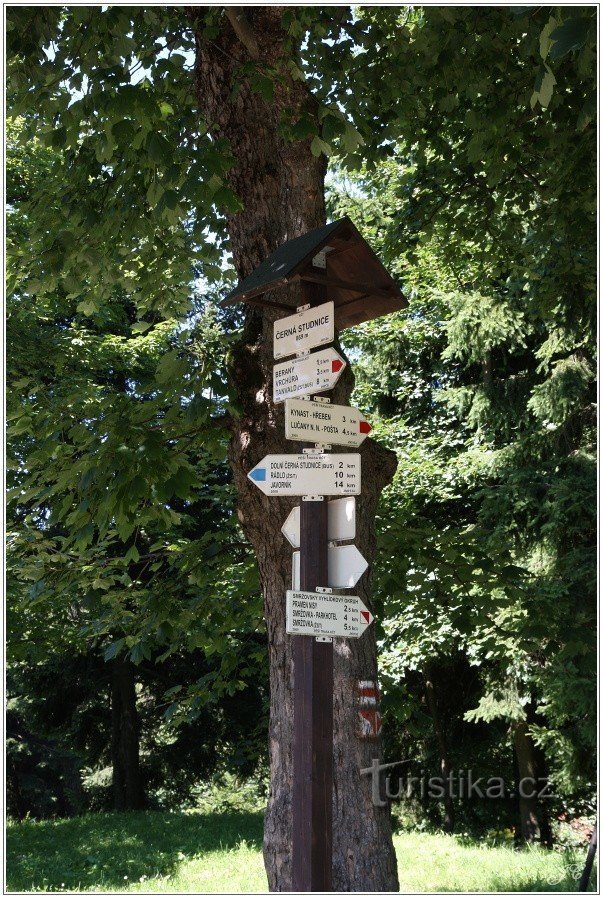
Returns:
<point x="141" y="327"/>
<point x="319" y="146"/>
<point x="352" y="139"/>
<point x="569" y="36"/>
<point x="159" y="149"/>
<point x="132" y="555"/>
<point x="543" y="89"/>
<point x="87" y="306"/>
<point x="114" y="649"/>
<point x="58" y="138"/>
<point x="262" y="85"/>
<point x="545" y="37"/>
<point x="154" y="193"/>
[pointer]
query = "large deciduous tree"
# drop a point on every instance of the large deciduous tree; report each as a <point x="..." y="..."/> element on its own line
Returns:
<point x="115" y="96"/>
<point x="280" y="182"/>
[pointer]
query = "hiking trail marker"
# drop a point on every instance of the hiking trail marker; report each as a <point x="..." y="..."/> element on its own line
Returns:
<point x="332" y="262"/>
<point x="326" y="614"/>
<point x="308" y="474"/>
<point x="341" y="521"/>
<point x="312" y="373"/>
<point x="305" y="330"/>
<point x="346" y="565"/>
<point x="321" y="422"/>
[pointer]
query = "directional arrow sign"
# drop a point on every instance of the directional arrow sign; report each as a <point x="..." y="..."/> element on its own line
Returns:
<point x="304" y="330"/>
<point x="314" y="373"/>
<point x="298" y="475"/>
<point x="346" y="567"/>
<point x="321" y="422"/>
<point x="341" y="521"/>
<point x="323" y="614"/>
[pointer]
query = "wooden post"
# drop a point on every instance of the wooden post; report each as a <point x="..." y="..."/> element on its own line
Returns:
<point x="313" y="711"/>
<point x="590" y="859"/>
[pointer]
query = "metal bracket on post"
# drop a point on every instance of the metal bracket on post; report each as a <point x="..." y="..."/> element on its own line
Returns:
<point x="313" y="498"/>
<point x="324" y="399"/>
<point x="317" y="449"/>
<point x="303" y="308"/>
<point x="326" y="590"/>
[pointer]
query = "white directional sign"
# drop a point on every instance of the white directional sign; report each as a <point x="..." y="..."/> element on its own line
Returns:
<point x="304" y="330"/>
<point x="321" y="422"/>
<point x="313" y="373"/>
<point x="346" y="567"/>
<point x="300" y="475"/>
<point x="341" y="521"/>
<point x="324" y="614"/>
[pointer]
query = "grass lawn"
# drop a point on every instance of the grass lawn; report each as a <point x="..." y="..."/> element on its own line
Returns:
<point x="221" y="852"/>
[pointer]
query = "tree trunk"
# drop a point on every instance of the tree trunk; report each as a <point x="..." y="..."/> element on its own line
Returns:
<point x="281" y="185"/>
<point x="533" y="824"/>
<point x="128" y="792"/>
<point x="432" y="704"/>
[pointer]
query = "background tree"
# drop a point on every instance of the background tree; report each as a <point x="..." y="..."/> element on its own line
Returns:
<point x="123" y="535"/>
<point x="487" y="210"/>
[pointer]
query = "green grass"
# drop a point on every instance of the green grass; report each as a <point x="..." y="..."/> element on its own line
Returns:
<point x="221" y="852"/>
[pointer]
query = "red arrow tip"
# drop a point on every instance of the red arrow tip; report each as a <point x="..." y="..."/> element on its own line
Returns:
<point x="336" y="365"/>
<point x="366" y="615"/>
<point x="365" y="427"/>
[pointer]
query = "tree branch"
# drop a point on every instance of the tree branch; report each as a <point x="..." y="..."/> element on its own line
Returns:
<point x="243" y="30"/>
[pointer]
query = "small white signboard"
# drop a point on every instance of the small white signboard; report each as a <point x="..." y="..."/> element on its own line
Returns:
<point x="341" y="521"/>
<point x="321" y="422"/>
<point x="304" y="330"/>
<point x="325" y="614"/>
<point x="329" y="474"/>
<point x="313" y="373"/>
<point x="346" y="567"/>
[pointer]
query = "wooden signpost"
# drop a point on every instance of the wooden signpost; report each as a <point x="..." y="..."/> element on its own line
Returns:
<point x="332" y="261"/>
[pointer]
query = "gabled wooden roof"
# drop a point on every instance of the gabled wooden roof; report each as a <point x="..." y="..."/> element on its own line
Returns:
<point x="339" y="258"/>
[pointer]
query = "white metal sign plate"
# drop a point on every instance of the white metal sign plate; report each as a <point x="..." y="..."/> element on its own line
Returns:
<point x="321" y="422"/>
<point x="341" y="521"/>
<point x="314" y="373"/>
<point x="305" y="330"/>
<point x="346" y="567"/>
<point x="324" y="614"/>
<point x="329" y="474"/>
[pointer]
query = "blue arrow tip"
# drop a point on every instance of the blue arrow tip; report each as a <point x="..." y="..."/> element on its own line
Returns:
<point x="258" y="474"/>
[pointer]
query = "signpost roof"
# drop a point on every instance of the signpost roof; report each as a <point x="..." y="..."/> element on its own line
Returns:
<point x="356" y="281"/>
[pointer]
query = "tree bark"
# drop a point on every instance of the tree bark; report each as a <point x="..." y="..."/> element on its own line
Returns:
<point x="533" y="824"/>
<point x="440" y="733"/>
<point x="128" y="791"/>
<point x="281" y="185"/>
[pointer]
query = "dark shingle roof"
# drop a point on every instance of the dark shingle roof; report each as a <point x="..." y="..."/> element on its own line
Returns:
<point x="354" y="278"/>
<point x="283" y="261"/>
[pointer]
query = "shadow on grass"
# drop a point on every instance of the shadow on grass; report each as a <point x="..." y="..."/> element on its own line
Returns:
<point x="108" y="851"/>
